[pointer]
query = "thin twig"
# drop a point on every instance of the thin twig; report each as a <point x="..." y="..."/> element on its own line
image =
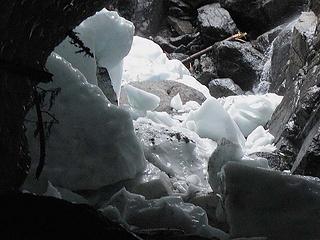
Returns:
<point x="41" y="133"/>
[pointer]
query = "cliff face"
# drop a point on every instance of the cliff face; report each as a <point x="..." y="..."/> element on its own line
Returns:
<point x="296" y="122"/>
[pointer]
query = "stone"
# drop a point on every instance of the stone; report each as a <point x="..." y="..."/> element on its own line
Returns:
<point x="166" y="90"/>
<point x="224" y="87"/>
<point x="184" y="39"/>
<point x="264" y="41"/>
<point x="164" y="44"/>
<point x="205" y="69"/>
<point x="148" y="16"/>
<point x="199" y="3"/>
<point x="179" y="56"/>
<point x="180" y="26"/>
<point x="269" y="204"/>
<point x="104" y="83"/>
<point x="240" y="62"/>
<point x="215" y="23"/>
<point x="280" y="60"/>
<point x="265" y="14"/>
<point x="295" y="123"/>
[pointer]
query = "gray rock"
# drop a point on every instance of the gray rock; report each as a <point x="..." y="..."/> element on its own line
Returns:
<point x="148" y="16"/>
<point x="184" y="39"/>
<point x="215" y="23"/>
<point x="164" y="44"/>
<point x="179" y="56"/>
<point x="295" y="123"/>
<point x="258" y="16"/>
<point x="104" y="83"/>
<point x="280" y="60"/>
<point x="166" y="90"/>
<point x="224" y="87"/>
<point x="263" y="42"/>
<point x="240" y="62"/>
<point x="205" y="69"/>
<point x="198" y="3"/>
<point x="180" y="26"/>
<point x="267" y="203"/>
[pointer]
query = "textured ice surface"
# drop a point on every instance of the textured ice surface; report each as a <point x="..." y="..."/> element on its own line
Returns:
<point x="109" y="38"/>
<point x="251" y="111"/>
<point x="164" y="213"/>
<point x="94" y="143"/>
<point x="212" y="121"/>
<point x="141" y="100"/>
<point x="147" y="61"/>
<point x="260" y="140"/>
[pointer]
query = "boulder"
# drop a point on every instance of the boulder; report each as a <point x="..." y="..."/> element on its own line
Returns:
<point x="166" y="90"/>
<point x="149" y="16"/>
<point x="240" y="62"/>
<point x="198" y="3"/>
<point x="180" y="26"/>
<point x="265" y="14"/>
<point x="224" y="87"/>
<point x="264" y="41"/>
<point x="215" y="23"/>
<point x="164" y="44"/>
<point x="269" y="204"/>
<point x="205" y="69"/>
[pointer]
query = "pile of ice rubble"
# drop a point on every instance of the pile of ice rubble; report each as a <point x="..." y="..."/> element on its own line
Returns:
<point x="167" y="155"/>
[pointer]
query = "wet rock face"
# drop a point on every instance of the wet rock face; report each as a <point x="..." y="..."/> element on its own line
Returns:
<point x="224" y="87"/>
<point x="240" y="62"/>
<point x="295" y="123"/>
<point x="263" y="13"/>
<point x="215" y="23"/>
<point x="264" y="41"/>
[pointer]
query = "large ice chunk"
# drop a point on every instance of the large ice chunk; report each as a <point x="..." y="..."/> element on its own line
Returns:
<point x="167" y="213"/>
<point x="109" y="38"/>
<point x="251" y="111"/>
<point x="94" y="143"/>
<point x="147" y="61"/>
<point x="212" y="121"/>
<point x="141" y="100"/>
<point x="260" y="140"/>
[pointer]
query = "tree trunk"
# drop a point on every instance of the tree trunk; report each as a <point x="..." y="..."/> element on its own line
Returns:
<point x="30" y="29"/>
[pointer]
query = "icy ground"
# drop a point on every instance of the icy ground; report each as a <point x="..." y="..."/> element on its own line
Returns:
<point x="165" y="154"/>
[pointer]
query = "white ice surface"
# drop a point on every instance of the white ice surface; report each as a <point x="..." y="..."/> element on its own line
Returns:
<point x="147" y="61"/>
<point x="164" y="213"/>
<point x="212" y="121"/>
<point x="109" y="38"/>
<point x="251" y="111"/>
<point x="260" y="140"/>
<point x="176" y="102"/>
<point x="141" y="100"/>
<point x="94" y="143"/>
